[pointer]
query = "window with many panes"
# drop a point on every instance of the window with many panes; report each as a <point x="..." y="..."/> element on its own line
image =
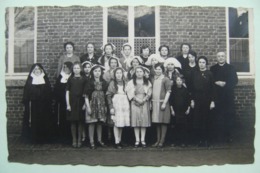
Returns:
<point x="240" y="40"/>
<point x="20" y="40"/>
<point x="135" y="25"/>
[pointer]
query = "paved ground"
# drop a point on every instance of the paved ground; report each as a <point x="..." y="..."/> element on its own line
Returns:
<point x="241" y="151"/>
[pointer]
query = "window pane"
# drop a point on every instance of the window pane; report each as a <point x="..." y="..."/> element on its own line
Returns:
<point x="117" y="21"/>
<point x="238" y="23"/>
<point x="23" y="38"/>
<point x="239" y="54"/>
<point x="24" y="54"/>
<point x="144" y="21"/>
<point x="139" y="42"/>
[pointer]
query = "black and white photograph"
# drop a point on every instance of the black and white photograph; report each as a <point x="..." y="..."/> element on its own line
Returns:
<point x="130" y="85"/>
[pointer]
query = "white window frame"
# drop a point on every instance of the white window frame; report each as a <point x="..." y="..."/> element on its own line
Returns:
<point x="131" y="27"/>
<point x="251" y="73"/>
<point x="10" y="74"/>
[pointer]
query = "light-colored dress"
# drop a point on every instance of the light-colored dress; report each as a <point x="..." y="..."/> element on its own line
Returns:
<point x="121" y="107"/>
<point x="140" y="114"/>
<point x="161" y="85"/>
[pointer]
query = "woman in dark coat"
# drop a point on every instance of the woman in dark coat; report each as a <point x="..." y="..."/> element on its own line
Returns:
<point x="60" y="105"/>
<point x="37" y="101"/>
<point x="190" y="68"/>
<point x="202" y="93"/>
<point x="183" y="56"/>
<point x="90" y="56"/>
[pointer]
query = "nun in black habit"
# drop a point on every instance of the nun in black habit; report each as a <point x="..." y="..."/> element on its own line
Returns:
<point x="37" y="98"/>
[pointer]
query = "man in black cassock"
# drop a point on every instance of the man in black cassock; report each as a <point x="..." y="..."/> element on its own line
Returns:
<point x="226" y="79"/>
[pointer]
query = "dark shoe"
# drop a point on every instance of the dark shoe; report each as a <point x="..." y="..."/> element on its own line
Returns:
<point x="207" y="144"/>
<point x="92" y="146"/>
<point x="200" y="144"/>
<point x="118" y="146"/>
<point x="143" y="144"/>
<point x="101" y="144"/>
<point x="155" y="144"/>
<point x="79" y="144"/>
<point x="174" y="145"/>
<point x="160" y="145"/>
<point x="122" y="144"/>
<point x="137" y="144"/>
<point x="74" y="145"/>
<point x="183" y="145"/>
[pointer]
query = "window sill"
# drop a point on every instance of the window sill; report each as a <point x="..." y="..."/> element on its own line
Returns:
<point x="15" y="82"/>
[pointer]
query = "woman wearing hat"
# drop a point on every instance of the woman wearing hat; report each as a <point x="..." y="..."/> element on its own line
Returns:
<point x="172" y="68"/>
<point x="135" y="62"/>
<point x="108" y="51"/>
<point x="152" y="61"/>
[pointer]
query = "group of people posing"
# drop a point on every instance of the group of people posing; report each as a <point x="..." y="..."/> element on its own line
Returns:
<point x="130" y="91"/>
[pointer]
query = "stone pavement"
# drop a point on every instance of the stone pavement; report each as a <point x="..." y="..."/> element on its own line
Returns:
<point x="238" y="152"/>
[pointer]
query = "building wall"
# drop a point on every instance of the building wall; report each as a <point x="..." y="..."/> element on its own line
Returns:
<point x="204" y="28"/>
<point x="57" y="25"/>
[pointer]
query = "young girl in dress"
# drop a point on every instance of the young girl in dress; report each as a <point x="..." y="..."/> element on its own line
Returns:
<point x="60" y="97"/>
<point x="37" y="102"/>
<point x="67" y="56"/>
<point x="118" y="104"/>
<point x="161" y="109"/>
<point x="202" y="92"/>
<point x="75" y="103"/>
<point x="150" y="63"/>
<point x="86" y="69"/>
<point x="139" y="91"/>
<point x="95" y="101"/>
<point x="135" y="62"/>
<point x="108" y="76"/>
<point x="109" y="51"/>
<point x="180" y="109"/>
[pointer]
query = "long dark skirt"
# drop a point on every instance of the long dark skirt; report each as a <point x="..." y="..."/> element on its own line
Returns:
<point x="201" y="116"/>
<point x="38" y="121"/>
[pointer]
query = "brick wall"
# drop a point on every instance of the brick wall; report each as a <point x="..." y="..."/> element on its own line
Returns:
<point x="245" y="102"/>
<point x="15" y="109"/>
<point x="57" y="25"/>
<point x="204" y="28"/>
